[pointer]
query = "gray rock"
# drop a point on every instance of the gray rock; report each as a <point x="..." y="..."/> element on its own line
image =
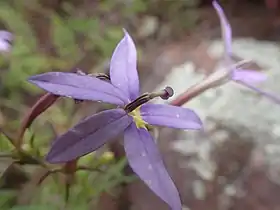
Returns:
<point x="248" y="114"/>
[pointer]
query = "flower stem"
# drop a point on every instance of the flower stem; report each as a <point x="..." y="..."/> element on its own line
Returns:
<point x="213" y="80"/>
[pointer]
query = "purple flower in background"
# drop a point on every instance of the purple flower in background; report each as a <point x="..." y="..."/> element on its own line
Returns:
<point x="132" y="115"/>
<point x="244" y="77"/>
<point x="5" y="41"/>
<point x="237" y="74"/>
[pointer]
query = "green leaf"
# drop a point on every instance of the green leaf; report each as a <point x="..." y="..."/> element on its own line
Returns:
<point x="5" y="198"/>
<point x="109" y="179"/>
<point x="64" y="39"/>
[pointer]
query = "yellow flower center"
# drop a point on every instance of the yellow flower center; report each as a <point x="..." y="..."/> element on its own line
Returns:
<point x="140" y="123"/>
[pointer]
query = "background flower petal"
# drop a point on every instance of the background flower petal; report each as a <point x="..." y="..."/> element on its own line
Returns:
<point x="88" y="135"/>
<point x="6" y="39"/>
<point x="80" y="87"/>
<point x="266" y="94"/>
<point x="145" y="160"/>
<point x="249" y="76"/>
<point x="170" y="116"/>
<point x="226" y="28"/>
<point x="123" y="69"/>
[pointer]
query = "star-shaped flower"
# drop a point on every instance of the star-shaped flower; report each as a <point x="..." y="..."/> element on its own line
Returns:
<point x="245" y="77"/>
<point x="132" y="116"/>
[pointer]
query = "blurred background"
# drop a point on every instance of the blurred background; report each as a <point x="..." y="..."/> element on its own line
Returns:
<point x="61" y="35"/>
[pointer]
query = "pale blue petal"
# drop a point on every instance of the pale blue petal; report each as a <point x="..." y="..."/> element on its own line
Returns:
<point x="81" y="87"/>
<point x="170" y="116"/>
<point x="5" y="41"/>
<point x="248" y="76"/>
<point x="271" y="96"/>
<point x="123" y="67"/>
<point x="88" y="135"/>
<point x="145" y="160"/>
<point x="226" y="28"/>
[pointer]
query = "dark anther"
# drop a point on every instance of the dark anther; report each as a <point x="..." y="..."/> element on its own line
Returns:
<point x="164" y="94"/>
<point x="101" y="76"/>
<point x="97" y="75"/>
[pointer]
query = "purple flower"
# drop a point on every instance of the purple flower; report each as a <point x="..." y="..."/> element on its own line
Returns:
<point x="237" y="74"/>
<point x="245" y="77"/>
<point x="132" y="115"/>
<point x="5" y="41"/>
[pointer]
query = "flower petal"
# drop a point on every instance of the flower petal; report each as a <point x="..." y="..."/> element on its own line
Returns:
<point x="226" y="28"/>
<point x="80" y="87"/>
<point x="145" y="160"/>
<point x="88" y="135"/>
<point x="248" y="76"/>
<point x="266" y="94"/>
<point x="5" y="40"/>
<point x="170" y="116"/>
<point x="123" y="69"/>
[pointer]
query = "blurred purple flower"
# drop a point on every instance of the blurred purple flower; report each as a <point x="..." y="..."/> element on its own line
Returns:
<point x="6" y="39"/>
<point x="244" y="77"/>
<point x="132" y="116"/>
<point x="237" y="74"/>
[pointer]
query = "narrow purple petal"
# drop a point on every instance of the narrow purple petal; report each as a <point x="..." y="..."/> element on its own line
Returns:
<point x="248" y="76"/>
<point x="145" y="160"/>
<point x="226" y="28"/>
<point x="88" y="135"/>
<point x="266" y="94"/>
<point x="123" y="69"/>
<point x="79" y="87"/>
<point x="170" y="116"/>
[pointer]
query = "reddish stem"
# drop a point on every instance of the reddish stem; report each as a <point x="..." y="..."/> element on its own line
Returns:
<point x="39" y="107"/>
<point x="196" y="90"/>
<point x="186" y="96"/>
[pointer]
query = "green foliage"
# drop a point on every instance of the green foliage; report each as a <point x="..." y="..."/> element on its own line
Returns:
<point x="88" y="187"/>
<point x="28" y="59"/>
<point x="5" y="198"/>
<point x="106" y="172"/>
<point x="64" y="39"/>
<point x="46" y="207"/>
